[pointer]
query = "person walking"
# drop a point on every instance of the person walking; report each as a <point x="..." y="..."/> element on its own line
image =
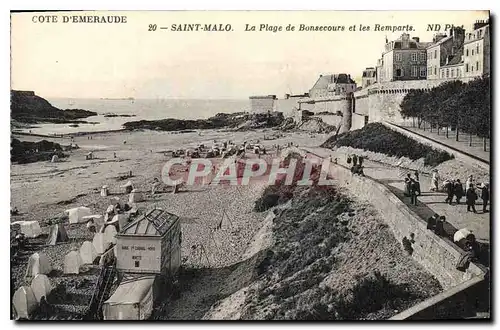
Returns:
<point x="469" y="183"/>
<point x="413" y="192"/>
<point x="435" y="180"/>
<point x="407" y="185"/>
<point x="458" y="190"/>
<point x="448" y="188"/>
<point x="354" y="160"/>
<point x="485" y="196"/>
<point x="470" y="199"/>
<point x="360" y="160"/>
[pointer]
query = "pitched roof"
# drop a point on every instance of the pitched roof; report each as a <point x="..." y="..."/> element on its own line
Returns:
<point x="324" y="80"/>
<point x="457" y="58"/>
<point x="154" y="223"/>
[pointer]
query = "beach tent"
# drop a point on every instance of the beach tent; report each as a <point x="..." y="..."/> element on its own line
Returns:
<point x="24" y="302"/>
<point x="76" y="214"/>
<point x="99" y="243"/>
<point x="54" y="159"/>
<point x="57" y="234"/>
<point x="41" y="287"/>
<point x="30" y="229"/>
<point x="132" y="300"/>
<point x="135" y="197"/>
<point x="38" y="263"/>
<point x="104" y="191"/>
<point x="110" y="235"/>
<point x="88" y="253"/>
<point x="72" y="263"/>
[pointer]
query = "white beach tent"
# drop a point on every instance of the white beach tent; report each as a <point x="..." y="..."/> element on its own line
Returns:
<point x="72" y="263"/>
<point x="120" y="220"/>
<point x="76" y="214"/>
<point x="38" y="263"/>
<point x="57" y="234"/>
<point x="461" y="235"/>
<point x="132" y="300"/>
<point x="87" y="253"/>
<point x="99" y="243"/>
<point x="110" y="235"/>
<point x="30" y="229"/>
<point x="24" y="302"/>
<point x="135" y="197"/>
<point x="41" y="287"/>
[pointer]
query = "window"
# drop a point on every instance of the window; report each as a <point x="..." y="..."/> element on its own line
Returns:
<point x="447" y="73"/>
<point x="423" y="72"/>
<point x="429" y="55"/>
<point x="435" y="70"/>
<point x="467" y="67"/>
<point x="137" y="263"/>
<point x="422" y="56"/>
<point x="398" y="57"/>
<point x="429" y="69"/>
<point x="477" y="66"/>
<point x="467" y="52"/>
<point x="414" y="71"/>
<point x="399" y="73"/>
<point x="452" y="73"/>
<point x="413" y="57"/>
<point x="477" y="49"/>
<point x="435" y="53"/>
<point x="472" y="52"/>
<point x="442" y="73"/>
<point x="479" y="33"/>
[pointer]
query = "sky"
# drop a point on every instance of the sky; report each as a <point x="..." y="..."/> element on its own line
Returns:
<point x="94" y="60"/>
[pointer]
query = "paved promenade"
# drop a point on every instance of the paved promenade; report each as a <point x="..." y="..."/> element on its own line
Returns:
<point x="429" y="203"/>
<point x="477" y="148"/>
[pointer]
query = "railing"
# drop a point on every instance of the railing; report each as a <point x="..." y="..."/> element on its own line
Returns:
<point x="101" y="291"/>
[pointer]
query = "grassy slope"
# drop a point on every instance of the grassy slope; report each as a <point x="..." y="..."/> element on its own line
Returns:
<point x="378" y="138"/>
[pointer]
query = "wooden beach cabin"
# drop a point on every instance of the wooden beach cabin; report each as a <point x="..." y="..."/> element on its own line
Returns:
<point x="150" y="245"/>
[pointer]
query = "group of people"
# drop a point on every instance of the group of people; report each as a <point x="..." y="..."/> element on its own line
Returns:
<point x="357" y="164"/>
<point x="455" y="189"/>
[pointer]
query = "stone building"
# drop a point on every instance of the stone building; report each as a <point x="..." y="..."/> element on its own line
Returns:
<point x="332" y="84"/>
<point x="262" y="104"/>
<point x="442" y="49"/>
<point x="369" y="77"/>
<point x="477" y="50"/>
<point x="453" y="68"/>
<point x="404" y="59"/>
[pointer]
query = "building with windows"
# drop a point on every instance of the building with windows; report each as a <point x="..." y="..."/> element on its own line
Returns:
<point x="404" y="59"/>
<point x="332" y="84"/>
<point x="453" y="68"/>
<point x="442" y="50"/>
<point x="477" y="50"/>
<point x="369" y="77"/>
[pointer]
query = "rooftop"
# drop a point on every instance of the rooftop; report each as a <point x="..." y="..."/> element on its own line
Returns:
<point x="325" y="80"/>
<point x="154" y="223"/>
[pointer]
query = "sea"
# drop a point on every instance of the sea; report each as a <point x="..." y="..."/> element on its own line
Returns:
<point x="143" y="109"/>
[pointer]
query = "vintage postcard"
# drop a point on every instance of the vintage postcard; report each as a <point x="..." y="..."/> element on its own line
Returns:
<point x="250" y="165"/>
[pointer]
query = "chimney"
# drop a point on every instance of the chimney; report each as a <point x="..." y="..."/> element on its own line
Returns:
<point x="480" y="23"/>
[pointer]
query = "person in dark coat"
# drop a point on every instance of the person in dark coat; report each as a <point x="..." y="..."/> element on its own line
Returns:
<point x="448" y="188"/>
<point x="485" y="196"/>
<point x="416" y="175"/>
<point x="413" y="192"/>
<point x="354" y="160"/>
<point x="458" y="190"/>
<point x="360" y="160"/>
<point x="407" y="184"/>
<point x="470" y="199"/>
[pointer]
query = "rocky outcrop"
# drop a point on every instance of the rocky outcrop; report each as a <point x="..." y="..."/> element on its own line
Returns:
<point x="239" y="121"/>
<point x="27" y="107"/>
<point x="27" y="152"/>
